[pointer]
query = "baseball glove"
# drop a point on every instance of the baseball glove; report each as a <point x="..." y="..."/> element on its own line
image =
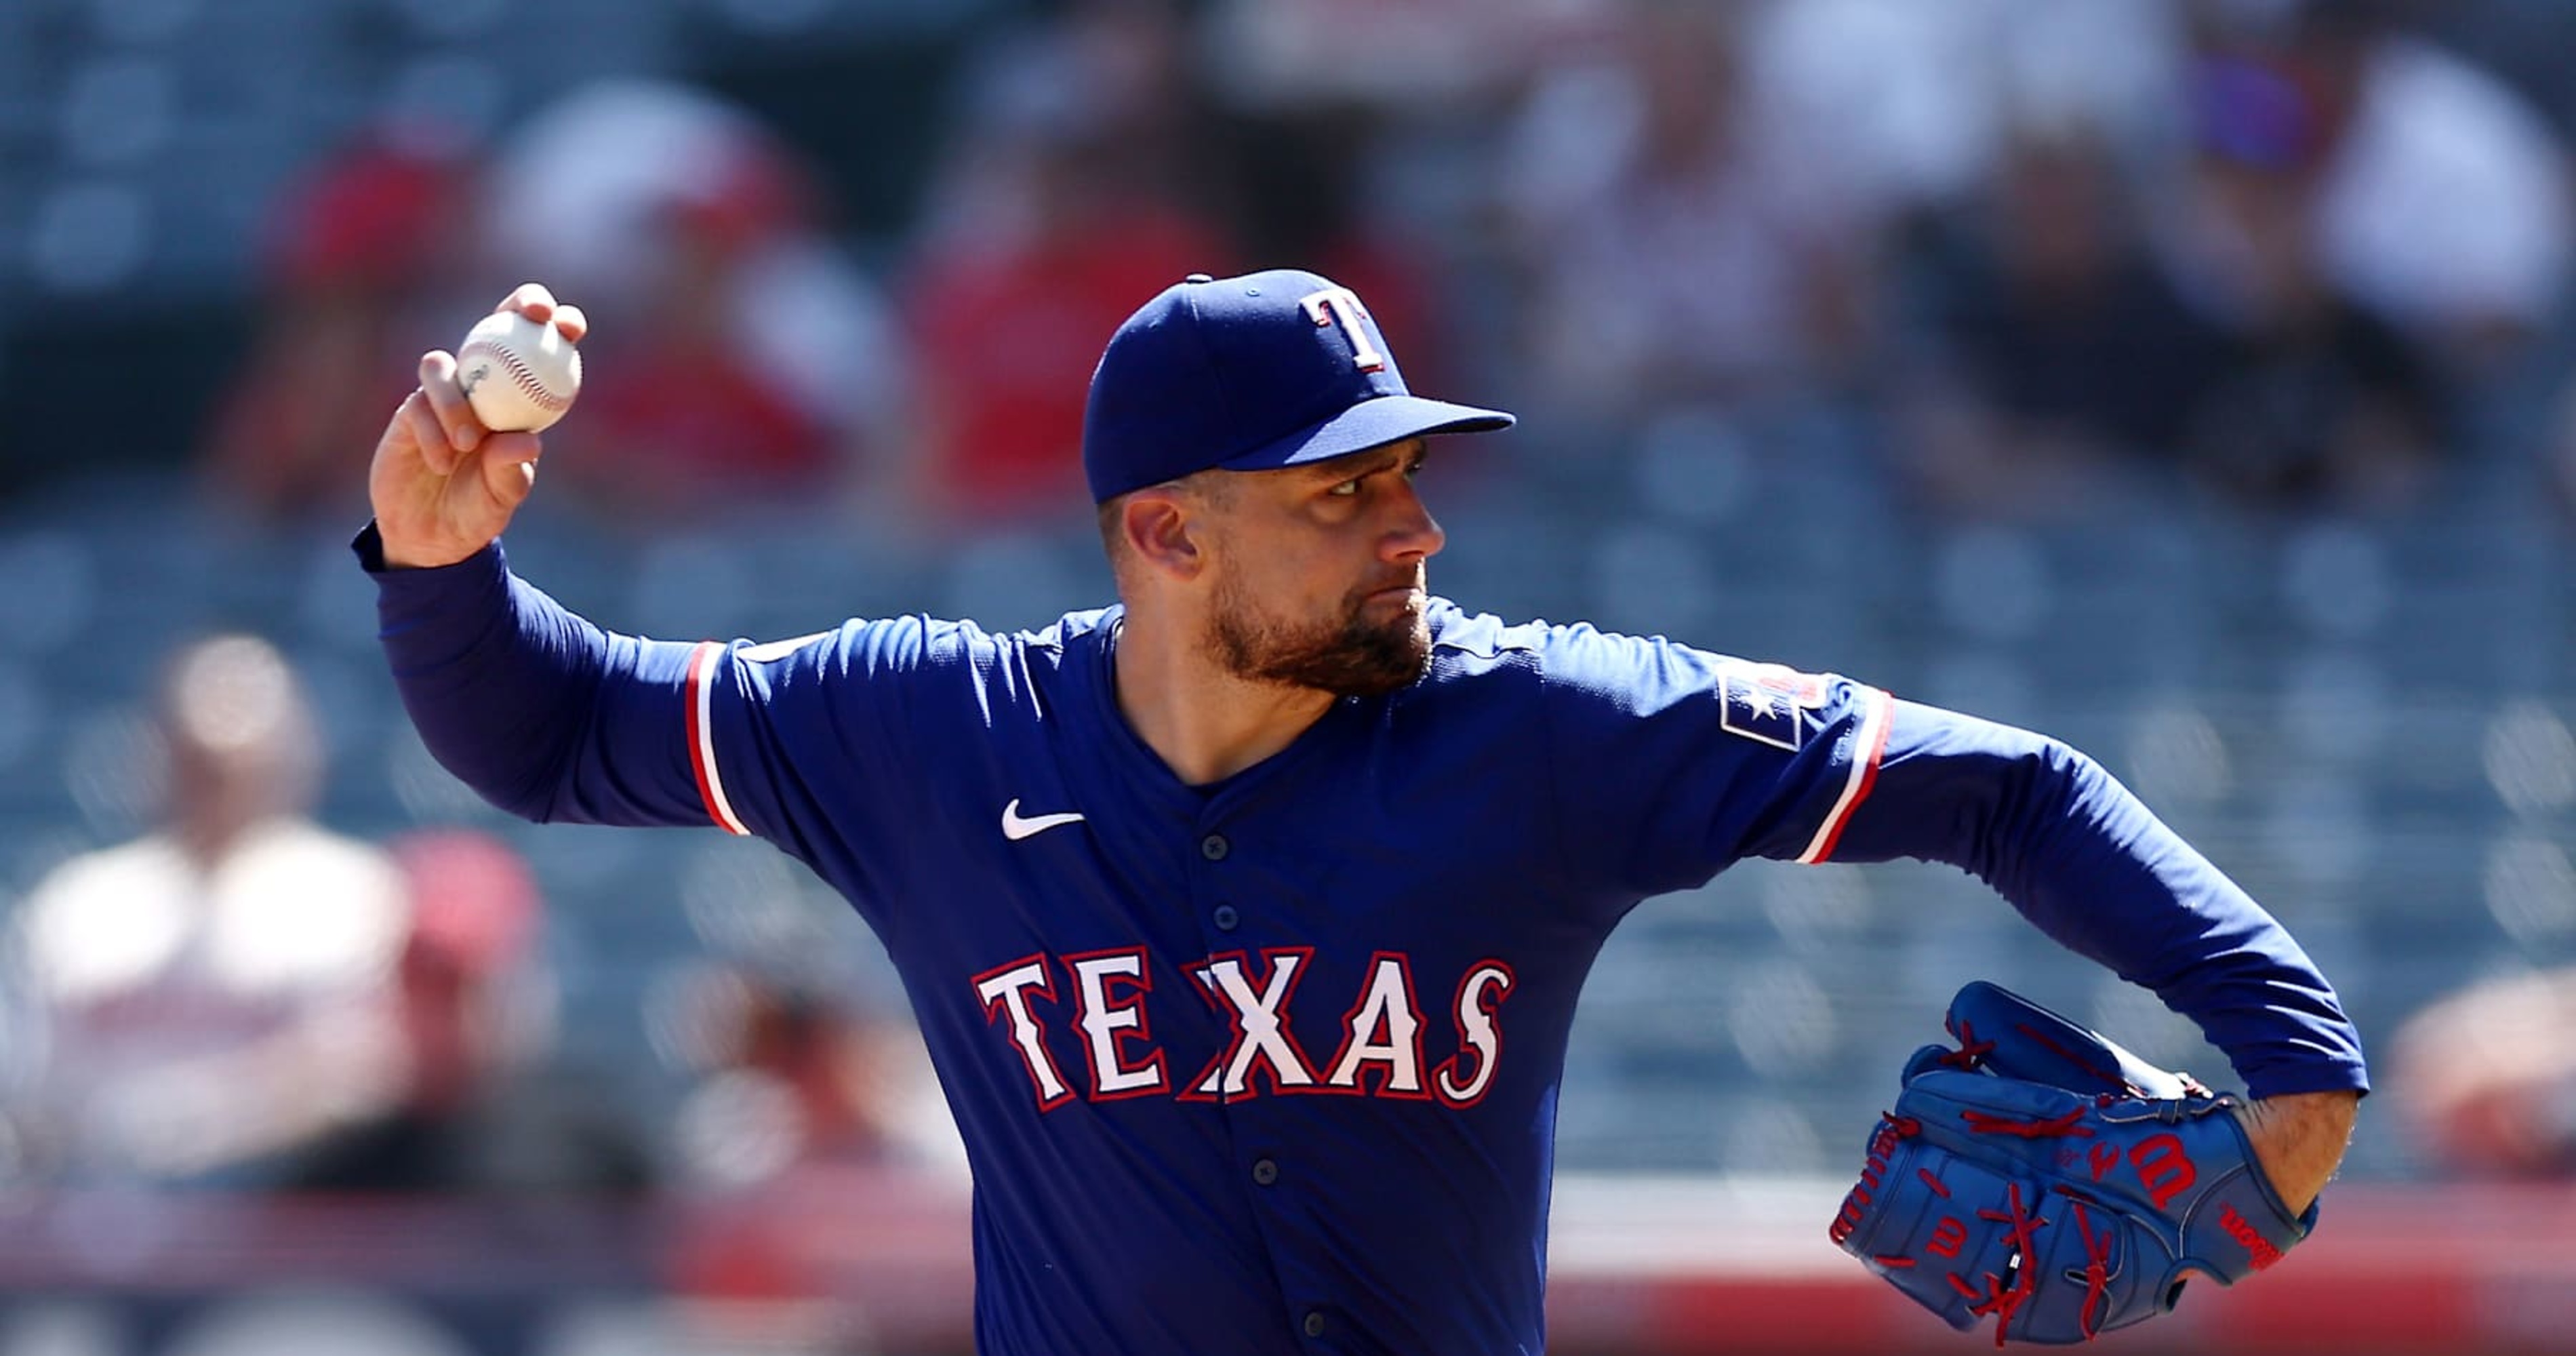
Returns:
<point x="2041" y="1174"/>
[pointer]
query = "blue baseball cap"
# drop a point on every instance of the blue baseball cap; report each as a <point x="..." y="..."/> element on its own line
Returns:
<point x="1252" y="373"/>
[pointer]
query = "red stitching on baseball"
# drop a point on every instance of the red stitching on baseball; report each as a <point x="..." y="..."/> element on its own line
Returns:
<point x="520" y="376"/>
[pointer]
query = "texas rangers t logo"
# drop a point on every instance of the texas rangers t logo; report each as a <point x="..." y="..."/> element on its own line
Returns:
<point x="1342" y="305"/>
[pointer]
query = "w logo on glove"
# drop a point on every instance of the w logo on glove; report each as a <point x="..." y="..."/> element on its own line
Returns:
<point x="2040" y="1174"/>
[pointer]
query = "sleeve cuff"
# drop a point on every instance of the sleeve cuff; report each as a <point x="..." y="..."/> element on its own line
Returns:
<point x="429" y="617"/>
<point x="2338" y="1076"/>
<point x="369" y="547"/>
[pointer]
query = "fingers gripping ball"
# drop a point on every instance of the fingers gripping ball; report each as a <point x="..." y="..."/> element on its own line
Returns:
<point x="517" y="374"/>
<point x="2043" y="1176"/>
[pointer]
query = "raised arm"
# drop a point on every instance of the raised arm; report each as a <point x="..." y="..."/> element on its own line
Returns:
<point x="544" y="714"/>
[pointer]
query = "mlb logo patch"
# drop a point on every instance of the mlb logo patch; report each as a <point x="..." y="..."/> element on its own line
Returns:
<point x="1766" y="703"/>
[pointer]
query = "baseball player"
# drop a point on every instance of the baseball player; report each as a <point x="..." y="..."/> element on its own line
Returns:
<point x="1244" y="919"/>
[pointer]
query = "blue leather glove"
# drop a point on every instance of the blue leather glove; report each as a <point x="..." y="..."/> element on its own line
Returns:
<point x="2039" y="1173"/>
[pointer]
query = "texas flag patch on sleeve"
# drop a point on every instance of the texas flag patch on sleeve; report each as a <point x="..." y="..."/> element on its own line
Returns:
<point x="1769" y="703"/>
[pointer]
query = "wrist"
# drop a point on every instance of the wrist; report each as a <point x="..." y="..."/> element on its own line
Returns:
<point x="379" y="553"/>
<point x="2299" y="1140"/>
<point x="399" y="558"/>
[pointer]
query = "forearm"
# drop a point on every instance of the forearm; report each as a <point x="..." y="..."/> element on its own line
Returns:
<point x="2086" y="862"/>
<point x="542" y="713"/>
<point x="2108" y="878"/>
<point x="498" y="681"/>
<point x="2091" y="867"/>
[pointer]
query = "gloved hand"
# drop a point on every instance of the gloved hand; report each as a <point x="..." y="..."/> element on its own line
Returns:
<point x="2041" y="1174"/>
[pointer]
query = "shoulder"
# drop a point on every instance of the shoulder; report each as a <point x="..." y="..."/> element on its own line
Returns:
<point x="153" y="855"/>
<point x="1583" y="673"/>
<point x="103" y="920"/>
<point x="1071" y="634"/>
<point x="1573" y="656"/>
<point x="109" y="879"/>
<point x="876" y="645"/>
<point x="1458" y="635"/>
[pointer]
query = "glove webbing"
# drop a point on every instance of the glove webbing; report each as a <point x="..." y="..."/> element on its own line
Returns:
<point x="2023" y="1224"/>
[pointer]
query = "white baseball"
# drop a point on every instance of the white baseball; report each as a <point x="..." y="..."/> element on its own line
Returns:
<point x="517" y="374"/>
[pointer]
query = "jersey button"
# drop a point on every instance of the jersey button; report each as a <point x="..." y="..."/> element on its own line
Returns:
<point x="1224" y="917"/>
<point x="1264" y="1171"/>
<point x="1214" y="847"/>
<point x="1314" y="1323"/>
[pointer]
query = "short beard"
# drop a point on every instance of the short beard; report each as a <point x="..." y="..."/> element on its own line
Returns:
<point x="1351" y="659"/>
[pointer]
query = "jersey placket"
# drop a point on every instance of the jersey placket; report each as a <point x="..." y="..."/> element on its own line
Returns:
<point x="1257" y="957"/>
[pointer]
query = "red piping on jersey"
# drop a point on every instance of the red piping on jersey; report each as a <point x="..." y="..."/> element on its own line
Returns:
<point x="1868" y="779"/>
<point x="699" y="747"/>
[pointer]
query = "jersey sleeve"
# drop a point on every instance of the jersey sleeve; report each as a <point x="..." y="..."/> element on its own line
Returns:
<point x="2087" y="862"/>
<point x="1670" y="762"/>
<point x="554" y="719"/>
<point x="810" y="741"/>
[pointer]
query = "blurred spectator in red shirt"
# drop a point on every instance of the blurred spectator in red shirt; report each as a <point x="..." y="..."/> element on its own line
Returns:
<point x="738" y="355"/>
<point x="479" y="1110"/>
<point x="1055" y="211"/>
<point x="813" y="1105"/>
<point x="2488" y="1077"/>
<point x="845" y="1078"/>
<point x="361" y="259"/>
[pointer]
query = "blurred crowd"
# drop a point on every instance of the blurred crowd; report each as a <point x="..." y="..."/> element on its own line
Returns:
<point x="2300" y="255"/>
<point x="2291" y="251"/>
<point x="244" y="998"/>
<point x="242" y="1001"/>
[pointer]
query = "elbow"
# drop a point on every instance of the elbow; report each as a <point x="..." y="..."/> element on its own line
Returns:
<point x="2046" y="816"/>
<point x="513" y="790"/>
<point x="2037" y="783"/>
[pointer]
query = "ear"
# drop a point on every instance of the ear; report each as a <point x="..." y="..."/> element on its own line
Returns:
<point x="1165" y="533"/>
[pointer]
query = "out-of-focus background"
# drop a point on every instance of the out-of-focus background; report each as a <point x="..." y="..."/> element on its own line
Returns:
<point x="2186" y="378"/>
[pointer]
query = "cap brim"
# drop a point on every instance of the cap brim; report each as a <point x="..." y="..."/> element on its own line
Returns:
<point x="1370" y="423"/>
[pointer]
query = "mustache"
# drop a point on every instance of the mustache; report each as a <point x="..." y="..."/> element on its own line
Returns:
<point x="1415" y="578"/>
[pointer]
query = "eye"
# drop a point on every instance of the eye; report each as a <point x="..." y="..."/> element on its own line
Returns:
<point x="1346" y="489"/>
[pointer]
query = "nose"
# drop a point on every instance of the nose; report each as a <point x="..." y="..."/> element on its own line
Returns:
<point x="1412" y="534"/>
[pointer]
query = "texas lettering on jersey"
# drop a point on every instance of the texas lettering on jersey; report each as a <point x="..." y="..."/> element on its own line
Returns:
<point x="1384" y="1047"/>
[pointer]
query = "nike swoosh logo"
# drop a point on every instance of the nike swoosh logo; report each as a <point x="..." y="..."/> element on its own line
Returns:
<point x="1016" y="828"/>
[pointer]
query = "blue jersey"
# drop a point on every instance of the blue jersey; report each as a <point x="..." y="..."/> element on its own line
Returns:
<point x="1270" y="1066"/>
